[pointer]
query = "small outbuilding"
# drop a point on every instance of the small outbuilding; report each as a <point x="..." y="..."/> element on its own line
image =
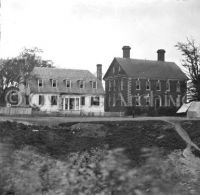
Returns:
<point x="192" y="109"/>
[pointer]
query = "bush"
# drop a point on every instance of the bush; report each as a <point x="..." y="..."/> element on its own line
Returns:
<point x="98" y="172"/>
<point x="151" y="111"/>
<point x="167" y="111"/>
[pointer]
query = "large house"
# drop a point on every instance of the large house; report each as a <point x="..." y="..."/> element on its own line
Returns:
<point x="68" y="91"/>
<point x="137" y="82"/>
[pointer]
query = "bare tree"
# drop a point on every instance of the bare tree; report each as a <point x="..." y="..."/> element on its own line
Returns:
<point x="191" y="61"/>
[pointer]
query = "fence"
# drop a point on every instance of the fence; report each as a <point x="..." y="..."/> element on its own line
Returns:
<point x="15" y="110"/>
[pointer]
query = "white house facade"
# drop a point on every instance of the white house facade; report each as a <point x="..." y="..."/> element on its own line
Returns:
<point x="68" y="91"/>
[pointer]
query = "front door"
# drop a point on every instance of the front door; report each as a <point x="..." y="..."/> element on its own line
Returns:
<point x="72" y="103"/>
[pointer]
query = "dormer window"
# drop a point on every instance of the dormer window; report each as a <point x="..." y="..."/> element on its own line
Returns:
<point x="53" y="83"/>
<point x="158" y="85"/>
<point x="68" y="83"/>
<point x="40" y="83"/>
<point x="81" y="84"/>
<point x="138" y="84"/>
<point x="178" y="87"/>
<point x="148" y="85"/>
<point x="168" y="85"/>
<point x="94" y="84"/>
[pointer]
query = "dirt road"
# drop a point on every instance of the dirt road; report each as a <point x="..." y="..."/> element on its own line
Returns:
<point x="53" y="121"/>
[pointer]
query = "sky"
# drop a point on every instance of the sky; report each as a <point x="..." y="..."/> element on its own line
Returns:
<point x="79" y="34"/>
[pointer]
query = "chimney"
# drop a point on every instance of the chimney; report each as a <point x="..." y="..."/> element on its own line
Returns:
<point x="99" y="72"/>
<point x="126" y="51"/>
<point x="161" y="55"/>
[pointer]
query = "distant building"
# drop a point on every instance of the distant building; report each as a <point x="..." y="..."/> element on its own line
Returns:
<point x="67" y="91"/>
<point x="136" y="82"/>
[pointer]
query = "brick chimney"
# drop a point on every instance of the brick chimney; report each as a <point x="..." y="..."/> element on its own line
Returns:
<point x="99" y="72"/>
<point x="161" y="55"/>
<point x="126" y="51"/>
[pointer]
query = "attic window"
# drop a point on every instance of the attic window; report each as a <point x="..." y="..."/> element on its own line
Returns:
<point x="94" y="84"/>
<point x="68" y="83"/>
<point x="81" y="84"/>
<point x="158" y="85"/>
<point x="40" y="83"/>
<point x="53" y="83"/>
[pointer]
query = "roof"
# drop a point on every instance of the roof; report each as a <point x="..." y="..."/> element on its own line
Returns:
<point x="46" y="74"/>
<point x="150" y="69"/>
<point x="192" y="109"/>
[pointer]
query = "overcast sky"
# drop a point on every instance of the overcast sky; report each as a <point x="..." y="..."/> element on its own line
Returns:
<point x="83" y="33"/>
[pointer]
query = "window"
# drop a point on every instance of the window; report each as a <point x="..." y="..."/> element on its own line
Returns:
<point x="53" y="83"/>
<point x="121" y="101"/>
<point x="27" y="99"/>
<point x="68" y="83"/>
<point x="113" y="70"/>
<point x="122" y="84"/>
<point x="148" y="100"/>
<point x="168" y="85"/>
<point x="138" y="84"/>
<point x="40" y="83"/>
<point x="114" y="100"/>
<point x="81" y="84"/>
<point x="148" y="85"/>
<point x="83" y="101"/>
<point x="41" y="100"/>
<point x="178" y="87"/>
<point x="94" y="84"/>
<point x="119" y="69"/>
<point x="109" y="100"/>
<point x="137" y="100"/>
<point x="54" y="100"/>
<point x="95" y="101"/>
<point x="114" y="85"/>
<point x="158" y="85"/>
<point x="109" y="85"/>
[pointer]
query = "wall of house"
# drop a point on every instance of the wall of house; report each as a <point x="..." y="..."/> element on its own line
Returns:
<point x="129" y="92"/>
<point x="88" y="108"/>
<point x="46" y="105"/>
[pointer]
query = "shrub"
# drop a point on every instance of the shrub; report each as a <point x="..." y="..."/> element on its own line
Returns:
<point x="98" y="172"/>
<point x="167" y="111"/>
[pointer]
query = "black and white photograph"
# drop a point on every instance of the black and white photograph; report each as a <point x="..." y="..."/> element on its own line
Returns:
<point x="99" y="97"/>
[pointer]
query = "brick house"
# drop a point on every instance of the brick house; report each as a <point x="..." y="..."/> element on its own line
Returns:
<point x="67" y="91"/>
<point x="147" y="83"/>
